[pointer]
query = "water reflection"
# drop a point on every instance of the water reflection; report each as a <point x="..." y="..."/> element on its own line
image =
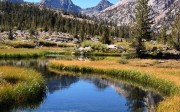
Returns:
<point x="138" y="100"/>
<point x="87" y="93"/>
<point x="60" y="82"/>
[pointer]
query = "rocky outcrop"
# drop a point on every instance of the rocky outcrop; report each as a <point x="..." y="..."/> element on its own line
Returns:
<point x="120" y="13"/>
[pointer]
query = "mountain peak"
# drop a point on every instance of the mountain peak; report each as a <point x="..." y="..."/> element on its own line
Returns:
<point x="66" y="5"/>
<point x="103" y="4"/>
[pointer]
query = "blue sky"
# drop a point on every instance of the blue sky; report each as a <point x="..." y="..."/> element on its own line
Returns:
<point x="81" y="3"/>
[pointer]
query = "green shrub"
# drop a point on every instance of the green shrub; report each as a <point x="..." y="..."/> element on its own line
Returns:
<point x="123" y="61"/>
<point x="47" y="43"/>
<point x="96" y="46"/>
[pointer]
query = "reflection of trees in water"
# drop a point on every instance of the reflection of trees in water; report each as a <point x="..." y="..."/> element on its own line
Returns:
<point x="141" y="101"/>
<point x="97" y="82"/>
<point x="138" y="100"/>
<point x="59" y="82"/>
<point x="36" y="64"/>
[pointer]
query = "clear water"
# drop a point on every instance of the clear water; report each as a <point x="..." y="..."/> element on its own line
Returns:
<point x="86" y="94"/>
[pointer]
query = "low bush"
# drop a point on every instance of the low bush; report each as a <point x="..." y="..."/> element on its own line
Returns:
<point x="123" y="60"/>
<point x="47" y="43"/>
<point x="96" y="46"/>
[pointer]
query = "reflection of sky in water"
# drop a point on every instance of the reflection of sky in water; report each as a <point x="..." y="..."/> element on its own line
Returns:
<point x="87" y="94"/>
<point x="83" y="96"/>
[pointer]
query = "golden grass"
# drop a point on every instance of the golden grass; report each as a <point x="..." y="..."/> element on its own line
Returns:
<point x="171" y="74"/>
<point x="20" y="51"/>
<point x="170" y="104"/>
<point x="27" y="53"/>
<point x="19" y="85"/>
<point x="162" y="71"/>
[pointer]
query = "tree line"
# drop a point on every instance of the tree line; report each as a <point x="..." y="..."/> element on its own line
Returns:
<point x="31" y="17"/>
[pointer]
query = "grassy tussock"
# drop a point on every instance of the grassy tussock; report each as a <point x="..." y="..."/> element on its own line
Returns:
<point x="19" y="85"/>
<point x="160" y="79"/>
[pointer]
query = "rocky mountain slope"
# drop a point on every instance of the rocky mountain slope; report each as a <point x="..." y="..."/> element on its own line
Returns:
<point x="120" y="13"/>
<point x="103" y="4"/>
<point x="66" y="5"/>
<point x="13" y="1"/>
<point x="124" y="12"/>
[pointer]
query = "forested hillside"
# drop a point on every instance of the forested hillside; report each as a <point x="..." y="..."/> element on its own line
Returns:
<point x="29" y="16"/>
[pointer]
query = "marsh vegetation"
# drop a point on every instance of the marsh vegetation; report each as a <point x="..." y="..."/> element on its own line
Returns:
<point x="146" y="73"/>
<point x="20" y="86"/>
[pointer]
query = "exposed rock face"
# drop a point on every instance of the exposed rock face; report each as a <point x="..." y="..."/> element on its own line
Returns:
<point x="13" y="1"/>
<point x="94" y="10"/>
<point x="66" y="5"/>
<point x="165" y="12"/>
<point x="124" y="12"/>
<point x="120" y="13"/>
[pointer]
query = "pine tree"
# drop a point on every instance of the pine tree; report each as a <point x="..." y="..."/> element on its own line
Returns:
<point x="10" y="35"/>
<point x="143" y="24"/>
<point x="106" y="36"/>
<point x="163" y="35"/>
<point x="176" y="33"/>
